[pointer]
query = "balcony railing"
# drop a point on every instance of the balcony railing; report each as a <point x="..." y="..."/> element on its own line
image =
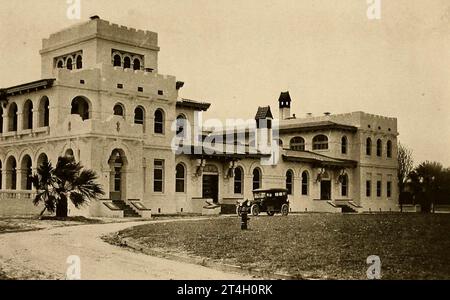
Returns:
<point x="37" y="132"/>
<point x="17" y="194"/>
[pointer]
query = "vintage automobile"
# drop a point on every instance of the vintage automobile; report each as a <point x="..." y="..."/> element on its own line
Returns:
<point x="270" y="201"/>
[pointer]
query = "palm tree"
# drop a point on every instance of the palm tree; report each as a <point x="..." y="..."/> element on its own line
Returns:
<point x="68" y="180"/>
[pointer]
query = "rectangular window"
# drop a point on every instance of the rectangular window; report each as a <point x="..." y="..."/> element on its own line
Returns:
<point x="378" y="188"/>
<point x="158" y="176"/>
<point x="389" y="189"/>
<point x="120" y="86"/>
<point x="368" y="188"/>
<point x="160" y="92"/>
<point x="140" y="89"/>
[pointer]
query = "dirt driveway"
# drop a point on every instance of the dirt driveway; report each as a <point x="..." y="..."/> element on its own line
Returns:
<point x="43" y="255"/>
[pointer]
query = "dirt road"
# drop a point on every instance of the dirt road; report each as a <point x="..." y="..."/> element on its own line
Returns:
<point x="43" y="255"/>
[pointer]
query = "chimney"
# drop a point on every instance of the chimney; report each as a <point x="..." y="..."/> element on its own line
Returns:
<point x="285" y="105"/>
<point x="95" y="17"/>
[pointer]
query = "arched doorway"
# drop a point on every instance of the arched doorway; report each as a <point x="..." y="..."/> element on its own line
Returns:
<point x="69" y="153"/>
<point x="11" y="173"/>
<point x="44" y="112"/>
<point x="41" y="159"/>
<point x="26" y="171"/>
<point x="325" y="187"/>
<point x="117" y="163"/>
<point x="211" y="183"/>
<point x="12" y="117"/>
<point x="80" y="106"/>
<point x="1" y="119"/>
<point x="27" y="115"/>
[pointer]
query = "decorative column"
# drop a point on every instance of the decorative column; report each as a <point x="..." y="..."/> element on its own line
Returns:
<point x="19" y="121"/>
<point x="7" y="178"/>
<point x="3" y="172"/>
<point x="36" y="116"/>
<point x="5" y="121"/>
<point x="20" y="177"/>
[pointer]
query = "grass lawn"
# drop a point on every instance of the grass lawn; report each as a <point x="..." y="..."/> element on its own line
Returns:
<point x="411" y="246"/>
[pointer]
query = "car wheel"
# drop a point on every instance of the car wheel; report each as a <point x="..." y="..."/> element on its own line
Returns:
<point x="255" y="210"/>
<point x="284" y="210"/>
<point x="239" y="210"/>
<point x="271" y="213"/>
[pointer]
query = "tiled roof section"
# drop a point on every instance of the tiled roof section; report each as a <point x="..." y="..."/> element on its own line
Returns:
<point x="285" y="97"/>
<point x="264" y="113"/>
<point x="218" y="152"/>
<point x="321" y="125"/>
<point x="186" y="103"/>
<point x="28" y="87"/>
<point x="318" y="159"/>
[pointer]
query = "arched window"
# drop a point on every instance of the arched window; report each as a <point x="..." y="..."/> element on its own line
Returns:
<point x="27" y="172"/>
<point x="181" y="126"/>
<point x="28" y="115"/>
<point x="69" y="63"/>
<point x="60" y="64"/>
<point x="379" y="148"/>
<point x="389" y="149"/>
<point x="11" y="173"/>
<point x="344" y="186"/>
<point x="320" y="142"/>
<point x="126" y="63"/>
<point x="369" y="146"/>
<point x="305" y="183"/>
<point x="180" y="178"/>
<point x="289" y="181"/>
<point x="80" y="107"/>
<point x="12" y="117"/>
<point x="344" y="145"/>
<point x="139" y="115"/>
<point x="44" y="112"/>
<point x="238" y="180"/>
<point x="256" y="179"/>
<point x="118" y="110"/>
<point x="117" y="61"/>
<point x="297" y="144"/>
<point x="159" y="121"/>
<point x="136" y="64"/>
<point x="79" y="62"/>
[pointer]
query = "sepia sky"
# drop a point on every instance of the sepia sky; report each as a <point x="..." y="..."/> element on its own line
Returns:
<point x="238" y="54"/>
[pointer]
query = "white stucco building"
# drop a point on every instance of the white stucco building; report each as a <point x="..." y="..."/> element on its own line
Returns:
<point x="102" y="100"/>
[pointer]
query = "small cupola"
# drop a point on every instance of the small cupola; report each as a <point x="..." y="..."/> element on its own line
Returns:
<point x="285" y="105"/>
<point x="264" y="113"/>
<point x="285" y="100"/>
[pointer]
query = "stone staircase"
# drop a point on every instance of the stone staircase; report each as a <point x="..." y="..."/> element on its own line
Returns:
<point x="128" y="212"/>
<point x="347" y="206"/>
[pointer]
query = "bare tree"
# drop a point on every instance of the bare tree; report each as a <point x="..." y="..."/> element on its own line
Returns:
<point x="405" y="167"/>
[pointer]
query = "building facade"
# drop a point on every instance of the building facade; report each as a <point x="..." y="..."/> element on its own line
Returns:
<point x="102" y="100"/>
